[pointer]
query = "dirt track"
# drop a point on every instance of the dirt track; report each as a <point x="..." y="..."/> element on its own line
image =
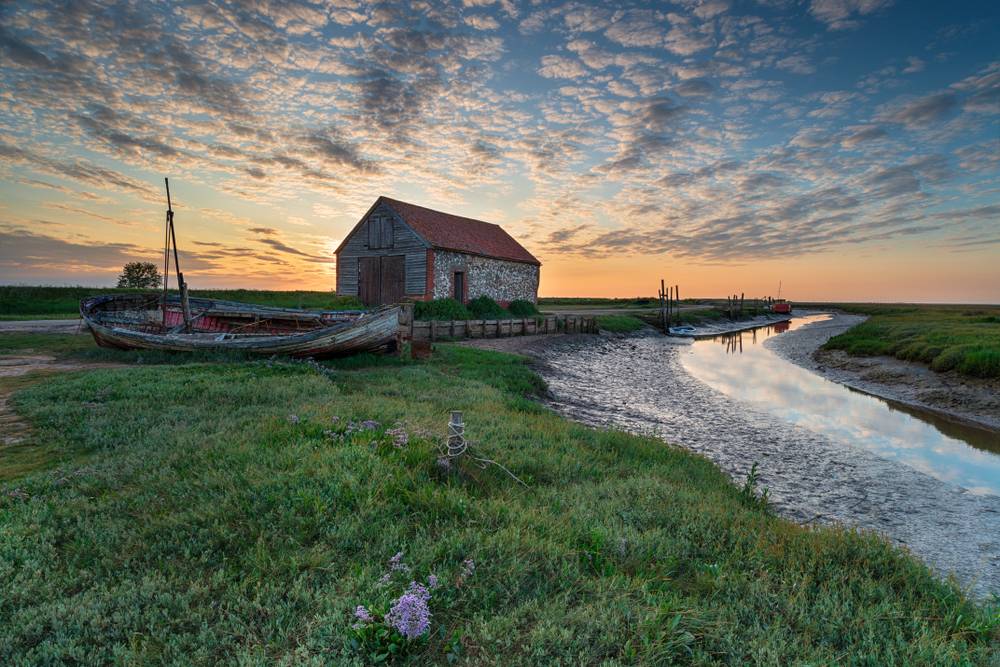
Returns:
<point x="73" y="326"/>
<point x="12" y="428"/>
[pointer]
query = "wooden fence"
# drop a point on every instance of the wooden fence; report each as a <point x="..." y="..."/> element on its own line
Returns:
<point x="411" y="329"/>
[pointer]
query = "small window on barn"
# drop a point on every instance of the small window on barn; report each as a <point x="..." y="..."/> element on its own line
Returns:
<point x="380" y="233"/>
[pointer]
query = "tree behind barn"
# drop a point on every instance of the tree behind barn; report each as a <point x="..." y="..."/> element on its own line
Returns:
<point x="140" y="275"/>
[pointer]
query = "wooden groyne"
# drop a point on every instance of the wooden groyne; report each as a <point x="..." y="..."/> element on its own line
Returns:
<point x="411" y="329"/>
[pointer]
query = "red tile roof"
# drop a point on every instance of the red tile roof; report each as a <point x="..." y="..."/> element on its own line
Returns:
<point x="453" y="232"/>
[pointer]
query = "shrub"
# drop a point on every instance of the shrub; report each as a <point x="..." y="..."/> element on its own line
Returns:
<point x="522" y="308"/>
<point x="441" y="309"/>
<point x="485" y="308"/>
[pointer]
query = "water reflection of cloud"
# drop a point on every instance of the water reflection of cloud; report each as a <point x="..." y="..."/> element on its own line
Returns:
<point x="758" y="377"/>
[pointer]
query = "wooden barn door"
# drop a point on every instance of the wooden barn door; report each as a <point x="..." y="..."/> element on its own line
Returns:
<point x="368" y="280"/>
<point x="381" y="280"/>
<point x="393" y="275"/>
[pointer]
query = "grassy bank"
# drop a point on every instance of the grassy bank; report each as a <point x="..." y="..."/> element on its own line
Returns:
<point x="961" y="338"/>
<point x="207" y="513"/>
<point x="22" y="302"/>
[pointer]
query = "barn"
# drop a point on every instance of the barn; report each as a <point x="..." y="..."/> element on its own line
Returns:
<point x="404" y="252"/>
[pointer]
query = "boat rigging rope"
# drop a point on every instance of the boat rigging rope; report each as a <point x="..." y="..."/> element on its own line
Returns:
<point x="458" y="446"/>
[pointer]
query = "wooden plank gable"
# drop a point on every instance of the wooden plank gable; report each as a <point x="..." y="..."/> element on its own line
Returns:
<point x="381" y="232"/>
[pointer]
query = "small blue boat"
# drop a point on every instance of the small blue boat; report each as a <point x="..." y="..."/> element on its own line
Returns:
<point x="684" y="330"/>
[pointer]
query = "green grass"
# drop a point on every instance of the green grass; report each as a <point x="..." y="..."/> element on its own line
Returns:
<point x="190" y="520"/>
<point x="620" y="323"/>
<point x="57" y="345"/>
<point x="961" y="338"/>
<point x="46" y="302"/>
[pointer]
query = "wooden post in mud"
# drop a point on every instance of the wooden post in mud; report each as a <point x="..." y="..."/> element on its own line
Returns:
<point x="663" y="306"/>
<point x="741" y="303"/>
<point x="677" y="299"/>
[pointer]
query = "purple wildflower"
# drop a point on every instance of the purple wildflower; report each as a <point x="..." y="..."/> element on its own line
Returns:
<point x="396" y="563"/>
<point x="369" y="424"/>
<point x="432" y="582"/>
<point x="410" y="615"/>
<point x="419" y="590"/>
<point x="363" y="617"/>
<point x="400" y="437"/>
<point x="468" y="567"/>
<point x="293" y="418"/>
<point x="362" y="614"/>
<point x="335" y="419"/>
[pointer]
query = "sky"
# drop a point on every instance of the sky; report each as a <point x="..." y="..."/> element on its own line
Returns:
<point x="844" y="149"/>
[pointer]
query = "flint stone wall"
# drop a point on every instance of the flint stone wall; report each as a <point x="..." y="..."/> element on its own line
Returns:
<point x="498" y="279"/>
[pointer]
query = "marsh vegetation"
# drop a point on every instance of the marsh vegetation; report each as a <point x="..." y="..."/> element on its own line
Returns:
<point x="965" y="339"/>
<point x="221" y="511"/>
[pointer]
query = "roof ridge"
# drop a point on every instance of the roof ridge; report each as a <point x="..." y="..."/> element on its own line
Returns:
<point x="460" y="233"/>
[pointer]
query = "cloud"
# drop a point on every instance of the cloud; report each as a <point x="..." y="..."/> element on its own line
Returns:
<point x="797" y="64"/>
<point x="112" y="127"/>
<point x="683" y="127"/>
<point x="330" y="147"/>
<point x="281" y="246"/>
<point x="636" y="28"/>
<point x="908" y="178"/>
<point x="693" y="88"/>
<point x="561" y="67"/>
<point x="79" y="170"/>
<point x="923" y="111"/>
<point x="863" y="134"/>
<point x="482" y="22"/>
<point x="685" y="39"/>
<point x="27" y="253"/>
<point x="914" y="65"/>
<point x="840" y="14"/>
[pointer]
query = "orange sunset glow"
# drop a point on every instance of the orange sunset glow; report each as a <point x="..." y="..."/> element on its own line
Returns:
<point x="723" y="147"/>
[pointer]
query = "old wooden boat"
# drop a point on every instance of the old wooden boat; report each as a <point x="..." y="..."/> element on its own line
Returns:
<point x="148" y="322"/>
<point x="181" y="323"/>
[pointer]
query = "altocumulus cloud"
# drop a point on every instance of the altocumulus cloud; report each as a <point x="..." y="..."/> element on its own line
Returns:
<point x="712" y="130"/>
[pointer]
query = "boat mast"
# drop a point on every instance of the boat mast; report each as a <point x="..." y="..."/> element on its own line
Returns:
<point x="182" y="286"/>
<point x="166" y="261"/>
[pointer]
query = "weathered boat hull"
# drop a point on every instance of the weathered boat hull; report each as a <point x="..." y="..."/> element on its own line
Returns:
<point x="141" y="322"/>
